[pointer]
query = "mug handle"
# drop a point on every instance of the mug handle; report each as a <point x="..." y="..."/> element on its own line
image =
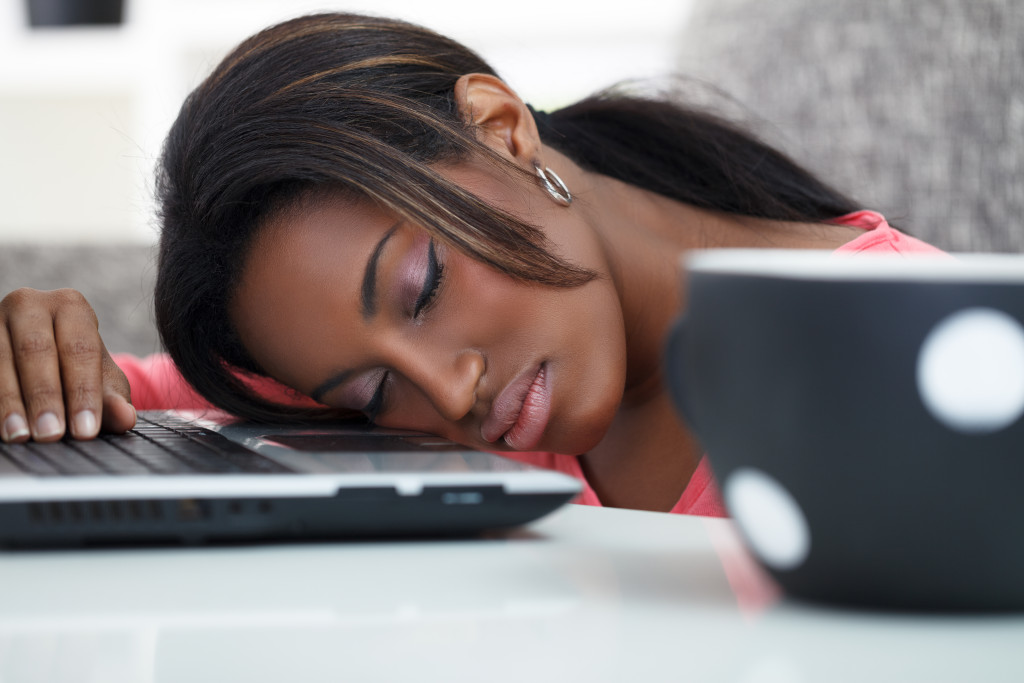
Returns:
<point x="675" y="370"/>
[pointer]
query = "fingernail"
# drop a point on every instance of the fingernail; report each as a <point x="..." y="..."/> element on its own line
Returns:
<point x="85" y="423"/>
<point x="48" y="425"/>
<point x="15" y="427"/>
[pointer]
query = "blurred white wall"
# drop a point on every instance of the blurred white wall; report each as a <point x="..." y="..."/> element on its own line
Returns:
<point x="83" y="111"/>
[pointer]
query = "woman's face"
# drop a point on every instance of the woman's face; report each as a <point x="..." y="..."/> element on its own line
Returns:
<point x="345" y="304"/>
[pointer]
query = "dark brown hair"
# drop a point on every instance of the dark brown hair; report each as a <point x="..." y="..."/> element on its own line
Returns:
<point x="365" y="106"/>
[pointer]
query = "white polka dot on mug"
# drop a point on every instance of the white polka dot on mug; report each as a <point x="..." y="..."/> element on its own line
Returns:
<point x="970" y="371"/>
<point x="770" y="517"/>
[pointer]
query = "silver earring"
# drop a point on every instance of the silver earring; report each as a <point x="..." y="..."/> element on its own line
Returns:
<point x="554" y="185"/>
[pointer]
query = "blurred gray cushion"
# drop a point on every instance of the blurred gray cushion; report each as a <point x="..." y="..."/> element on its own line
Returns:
<point x="915" y="107"/>
<point x="117" y="280"/>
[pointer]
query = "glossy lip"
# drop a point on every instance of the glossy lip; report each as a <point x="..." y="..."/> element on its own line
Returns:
<point x="508" y="407"/>
<point x="526" y="433"/>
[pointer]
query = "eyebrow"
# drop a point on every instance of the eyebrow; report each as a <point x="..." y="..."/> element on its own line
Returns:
<point x="369" y="288"/>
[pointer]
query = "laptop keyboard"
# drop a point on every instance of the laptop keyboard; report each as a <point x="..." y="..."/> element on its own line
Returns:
<point x="157" y="445"/>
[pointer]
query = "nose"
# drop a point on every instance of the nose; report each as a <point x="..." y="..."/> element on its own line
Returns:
<point x="448" y="380"/>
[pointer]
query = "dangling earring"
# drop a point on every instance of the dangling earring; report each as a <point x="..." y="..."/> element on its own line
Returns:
<point x="554" y="185"/>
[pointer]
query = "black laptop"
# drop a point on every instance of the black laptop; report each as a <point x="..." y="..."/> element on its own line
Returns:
<point x="202" y="478"/>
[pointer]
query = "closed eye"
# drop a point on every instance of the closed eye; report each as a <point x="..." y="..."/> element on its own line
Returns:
<point x="431" y="283"/>
<point x="378" y="401"/>
<point x="427" y="296"/>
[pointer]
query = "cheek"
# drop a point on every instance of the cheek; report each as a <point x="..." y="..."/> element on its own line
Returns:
<point x="581" y="327"/>
<point x="590" y="386"/>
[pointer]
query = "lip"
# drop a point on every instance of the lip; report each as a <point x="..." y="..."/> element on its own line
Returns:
<point x="521" y="411"/>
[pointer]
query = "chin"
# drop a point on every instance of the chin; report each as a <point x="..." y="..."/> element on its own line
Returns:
<point x="582" y="432"/>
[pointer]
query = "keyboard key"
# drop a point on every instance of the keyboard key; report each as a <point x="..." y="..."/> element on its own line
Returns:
<point x="150" y="454"/>
<point x="7" y="466"/>
<point x="65" y="458"/>
<point x="111" y="458"/>
<point x="29" y="461"/>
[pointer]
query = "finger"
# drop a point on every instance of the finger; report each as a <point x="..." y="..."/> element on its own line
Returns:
<point x="118" y="411"/>
<point x="80" y="351"/>
<point x="38" y="368"/>
<point x="13" y="426"/>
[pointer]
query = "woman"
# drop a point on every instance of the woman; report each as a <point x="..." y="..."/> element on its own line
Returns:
<point x="361" y="211"/>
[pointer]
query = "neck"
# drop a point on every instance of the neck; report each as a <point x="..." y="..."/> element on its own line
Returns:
<point x="644" y="236"/>
<point x="647" y="457"/>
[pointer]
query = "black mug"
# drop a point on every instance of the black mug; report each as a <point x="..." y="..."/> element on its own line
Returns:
<point x="863" y="417"/>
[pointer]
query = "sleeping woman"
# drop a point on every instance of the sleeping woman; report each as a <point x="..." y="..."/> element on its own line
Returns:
<point x="360" y="219"/>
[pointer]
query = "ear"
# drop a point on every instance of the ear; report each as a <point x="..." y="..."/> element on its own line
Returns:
<point x="501" y="116"/>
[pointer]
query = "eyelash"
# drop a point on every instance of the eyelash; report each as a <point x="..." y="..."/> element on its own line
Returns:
<point x="435" y="274"/>
<point x="376" y="404"/>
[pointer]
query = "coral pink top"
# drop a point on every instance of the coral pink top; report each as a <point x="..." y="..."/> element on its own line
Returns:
<point x="156" y="384"/>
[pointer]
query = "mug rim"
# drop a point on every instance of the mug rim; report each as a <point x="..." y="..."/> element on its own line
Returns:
<point x="814" y="264"/>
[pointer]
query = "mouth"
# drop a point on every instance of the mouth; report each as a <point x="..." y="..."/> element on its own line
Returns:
<point x="520" y="414"/>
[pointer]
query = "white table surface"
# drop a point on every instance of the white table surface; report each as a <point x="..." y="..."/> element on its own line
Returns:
<point x="585" y="594"/>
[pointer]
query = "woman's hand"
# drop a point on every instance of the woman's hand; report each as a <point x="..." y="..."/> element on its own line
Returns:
<point x="55" y="373"/>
